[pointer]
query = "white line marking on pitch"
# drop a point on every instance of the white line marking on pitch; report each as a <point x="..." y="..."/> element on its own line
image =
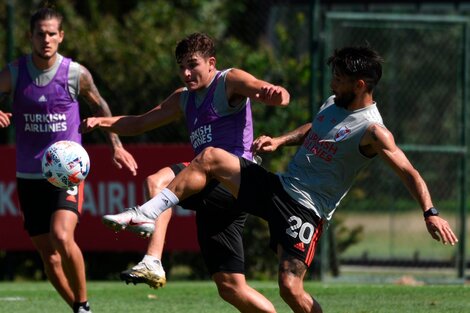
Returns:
<point x="12" y="299"/>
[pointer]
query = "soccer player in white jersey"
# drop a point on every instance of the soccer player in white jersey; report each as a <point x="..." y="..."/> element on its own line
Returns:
<point x="344" y="136"/>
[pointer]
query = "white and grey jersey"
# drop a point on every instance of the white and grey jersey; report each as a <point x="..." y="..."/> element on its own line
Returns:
<point x="43" y="77"/>
<point x="324" y="168"/>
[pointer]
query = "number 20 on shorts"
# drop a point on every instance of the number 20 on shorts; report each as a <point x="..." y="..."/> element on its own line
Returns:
<point x="299" y="229"/>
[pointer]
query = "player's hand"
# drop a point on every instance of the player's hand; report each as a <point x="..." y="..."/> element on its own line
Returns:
<point x="271" y="95"/>
<point x="5" y="119"/>
<point x="89" y="124"/>
<point x="122" y="158"/>
<point x="264" y="144"/>
<point x="440" y="230"/>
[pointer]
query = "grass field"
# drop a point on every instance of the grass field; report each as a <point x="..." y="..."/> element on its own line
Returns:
<point x="107" y="297"/>
<point x="401" y="235"/>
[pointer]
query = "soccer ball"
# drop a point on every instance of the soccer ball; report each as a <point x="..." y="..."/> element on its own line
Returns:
<point x="65" y="164"/>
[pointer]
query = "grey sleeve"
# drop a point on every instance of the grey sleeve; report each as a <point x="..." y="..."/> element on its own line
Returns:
<point x="184" y="100"/>
<point x="74" y="79"/>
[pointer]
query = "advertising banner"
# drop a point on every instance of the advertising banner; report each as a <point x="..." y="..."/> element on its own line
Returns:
<point x="108" y="190"/>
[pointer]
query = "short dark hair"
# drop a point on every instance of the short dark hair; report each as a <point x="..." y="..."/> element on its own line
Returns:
<point x="42" y="14"/>
<point x="195" y="43"/>
<point x="359" y="63"/>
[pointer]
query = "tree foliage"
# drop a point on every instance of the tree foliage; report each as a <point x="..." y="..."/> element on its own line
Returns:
<point x="128" y="46"/>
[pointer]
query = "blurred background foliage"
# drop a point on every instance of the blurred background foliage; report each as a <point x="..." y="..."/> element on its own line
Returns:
<point x="129" y="48"/>
<point x="129" y="45"/>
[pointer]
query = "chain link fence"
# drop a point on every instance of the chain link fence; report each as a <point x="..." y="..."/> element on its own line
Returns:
<point x="421" y="97"/>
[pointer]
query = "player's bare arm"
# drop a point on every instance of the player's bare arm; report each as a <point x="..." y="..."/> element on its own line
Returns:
<point x="378" y="140"/>
<point x="131" y="125"/>
<point x="99" y="107"/>
<point x="5" y="117"/>
<point x="5" y="87"/>
<point x="265" y="144"/>
<point x="97" y="104"/>
<point x="242" y="84"/>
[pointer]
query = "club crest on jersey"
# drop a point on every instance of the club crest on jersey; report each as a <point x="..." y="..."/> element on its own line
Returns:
<point x="342" y="133"/>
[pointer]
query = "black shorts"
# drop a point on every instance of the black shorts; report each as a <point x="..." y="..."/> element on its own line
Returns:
<point x="39" y="199"/>
<point x="296" y="228"/>
<point x="219" y="227"/>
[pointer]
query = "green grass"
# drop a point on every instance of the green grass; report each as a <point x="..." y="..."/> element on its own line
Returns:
<point x="401" y="235"/>
<point x="197" y="297"/>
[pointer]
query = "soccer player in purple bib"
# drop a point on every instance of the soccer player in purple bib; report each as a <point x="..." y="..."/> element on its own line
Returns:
<point x="343" y="137"/>
<point x="44" y="86"/>
<point x="216" y="106"/>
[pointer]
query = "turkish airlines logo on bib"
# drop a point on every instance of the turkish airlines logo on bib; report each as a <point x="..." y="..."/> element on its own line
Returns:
<point x="342" y="133"/>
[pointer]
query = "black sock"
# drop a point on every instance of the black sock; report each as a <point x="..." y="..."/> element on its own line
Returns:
<point x="78" y="305"/>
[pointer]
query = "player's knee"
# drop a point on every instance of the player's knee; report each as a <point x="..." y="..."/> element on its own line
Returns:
<point x="154" y="183"/>
<point x="208" y="156"/>
<point x="51" y="260"/>
<point x="161" y="179"/>
<point x="208" y="159"/>
<point x="288" y="289"/>
<point x="227" y="291"/>
<point x="205" y="156"/>
<point x="149" y="182"/>
<point x="60" y="239"/>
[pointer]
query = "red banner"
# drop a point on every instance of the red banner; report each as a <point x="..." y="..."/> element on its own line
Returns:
<point x="108" y="190"/>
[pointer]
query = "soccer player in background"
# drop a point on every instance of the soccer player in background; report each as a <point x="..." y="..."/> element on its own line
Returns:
<point x="216" y="106"/>
<point x="44" y="86"/>
<point x="344" y="136"/>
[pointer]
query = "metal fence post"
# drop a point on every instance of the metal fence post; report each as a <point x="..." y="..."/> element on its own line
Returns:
<point x="10" y="43"/>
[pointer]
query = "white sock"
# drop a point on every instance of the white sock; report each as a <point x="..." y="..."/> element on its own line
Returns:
<point x="150" y="259"/>
<point x="161" y="202"/>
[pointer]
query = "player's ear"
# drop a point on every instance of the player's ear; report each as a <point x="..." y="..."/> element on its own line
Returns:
<point x="212" y="62"/>
<point x="361" y="84"/>
<point x="61" y="36"/>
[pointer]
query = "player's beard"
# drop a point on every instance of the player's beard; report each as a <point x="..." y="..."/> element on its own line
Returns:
<point x="345" y="100"/>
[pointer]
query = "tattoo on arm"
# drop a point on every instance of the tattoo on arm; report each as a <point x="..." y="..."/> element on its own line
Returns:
<point x="297" y="136"/>
<point x="98" y="106"/>
<point x="294" y="138"/>
<point x="90" y="93"/>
